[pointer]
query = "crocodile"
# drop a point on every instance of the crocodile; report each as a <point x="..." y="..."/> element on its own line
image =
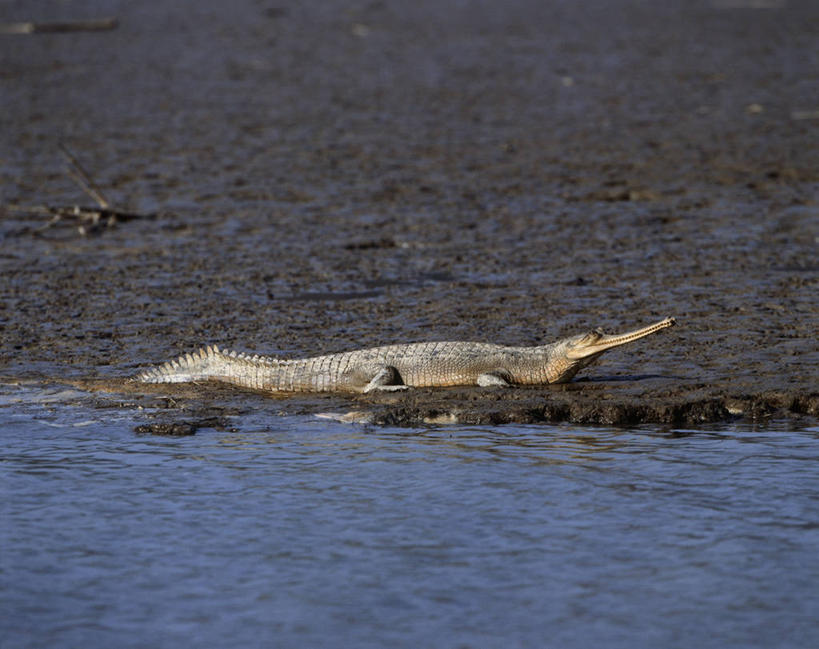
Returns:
<point x="401" y="366"/>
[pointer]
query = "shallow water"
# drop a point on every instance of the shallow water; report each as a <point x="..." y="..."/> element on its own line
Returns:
<point x="297" y="531"/>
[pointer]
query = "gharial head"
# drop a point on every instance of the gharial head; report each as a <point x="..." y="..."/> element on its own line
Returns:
<point x="575" y="353"/>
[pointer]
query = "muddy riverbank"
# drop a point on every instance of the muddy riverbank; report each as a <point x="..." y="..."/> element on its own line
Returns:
<point x="322" y="177"/>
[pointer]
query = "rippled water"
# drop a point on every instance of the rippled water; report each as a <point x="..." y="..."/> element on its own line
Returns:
<point x="303" y="532"/>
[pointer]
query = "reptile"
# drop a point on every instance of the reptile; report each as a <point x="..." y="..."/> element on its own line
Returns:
<point x="398" y="367"/>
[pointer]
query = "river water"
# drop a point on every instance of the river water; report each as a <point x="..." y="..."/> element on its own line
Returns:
<point x="297" y="531"/>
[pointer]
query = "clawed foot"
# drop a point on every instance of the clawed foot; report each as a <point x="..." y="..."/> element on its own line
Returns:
<point x="386" y="380"/>
<point x="493" y="379"/>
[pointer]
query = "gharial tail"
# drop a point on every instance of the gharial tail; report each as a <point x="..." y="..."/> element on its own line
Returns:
<point x="199" y="366"/>
<point x="211" y="363"/>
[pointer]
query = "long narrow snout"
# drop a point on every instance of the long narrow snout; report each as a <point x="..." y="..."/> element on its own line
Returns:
<point x="597" y="342"/>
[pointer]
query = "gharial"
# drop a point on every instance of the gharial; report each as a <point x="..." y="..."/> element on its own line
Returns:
<point x="398" y="367"/>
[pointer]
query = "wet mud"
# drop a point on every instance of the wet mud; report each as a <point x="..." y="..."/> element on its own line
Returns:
<point x="320" y="177"/>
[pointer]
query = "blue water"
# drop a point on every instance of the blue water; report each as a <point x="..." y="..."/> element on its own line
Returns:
<point x="299" y="532"/>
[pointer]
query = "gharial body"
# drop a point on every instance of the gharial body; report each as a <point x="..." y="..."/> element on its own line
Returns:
<point x="398" y="367"/>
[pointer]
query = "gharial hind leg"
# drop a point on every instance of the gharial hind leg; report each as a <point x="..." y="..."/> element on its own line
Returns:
<point x="387" y="379"/>
<point x="496" y="378"/>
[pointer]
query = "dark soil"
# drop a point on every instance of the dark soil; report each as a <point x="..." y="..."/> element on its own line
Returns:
<point x="327" y="176"/>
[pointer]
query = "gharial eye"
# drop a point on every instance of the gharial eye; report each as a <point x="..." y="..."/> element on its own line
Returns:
<point x="592" y="337"/>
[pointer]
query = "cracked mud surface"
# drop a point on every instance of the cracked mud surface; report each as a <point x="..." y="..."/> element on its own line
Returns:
<point x="332" y="177"/>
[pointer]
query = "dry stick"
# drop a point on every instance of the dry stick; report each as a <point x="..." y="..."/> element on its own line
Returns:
<point x="79" y="176"/>
<point x="73" y="26"/>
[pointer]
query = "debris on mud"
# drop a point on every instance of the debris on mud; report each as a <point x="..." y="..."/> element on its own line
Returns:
<point x="173" y="429"/>
<point x="88" y="220"/>
<point x="181" y="428"/>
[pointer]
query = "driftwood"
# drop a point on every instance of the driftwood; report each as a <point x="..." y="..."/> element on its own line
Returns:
<point x="102" y="25"/>
<point x="89" y="220"/>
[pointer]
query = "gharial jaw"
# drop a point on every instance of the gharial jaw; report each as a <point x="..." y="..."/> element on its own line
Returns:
<point x="575" y="353"/>
<point x="596" y="342"/>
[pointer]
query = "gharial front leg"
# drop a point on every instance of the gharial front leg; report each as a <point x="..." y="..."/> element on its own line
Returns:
<point x="387" y="379"/>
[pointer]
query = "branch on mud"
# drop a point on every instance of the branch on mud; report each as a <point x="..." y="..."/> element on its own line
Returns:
<point x="88" y="220"/>
<point x="101" y="25"/>
<point x="81" y="177"/>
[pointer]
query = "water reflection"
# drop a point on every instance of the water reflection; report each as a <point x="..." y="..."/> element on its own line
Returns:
<point x="523" y="443"/>
<point x="468" y="444"/>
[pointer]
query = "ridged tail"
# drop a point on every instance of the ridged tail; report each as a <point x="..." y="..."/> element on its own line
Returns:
<point x="199" y="366"/>
<point x="255" y="372"/>
<point x="213" y="363"/>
